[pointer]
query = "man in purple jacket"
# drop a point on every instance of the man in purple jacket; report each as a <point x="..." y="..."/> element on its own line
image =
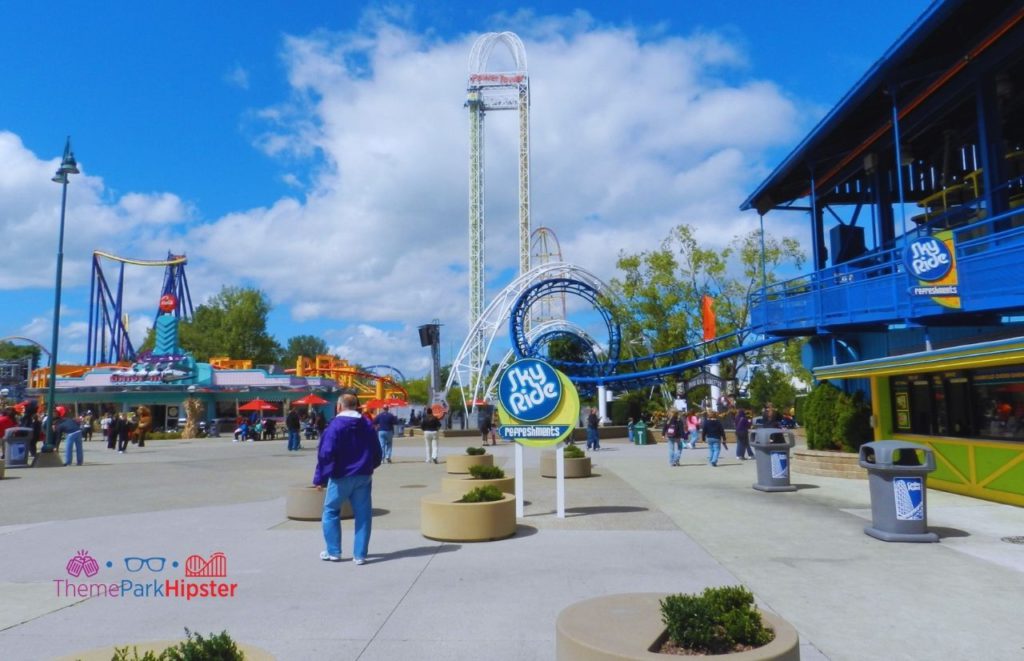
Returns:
<point x="345" y="460"/>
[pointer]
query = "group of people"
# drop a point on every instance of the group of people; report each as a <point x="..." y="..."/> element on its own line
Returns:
<point x="118" y="430"/>
<point x="683" y="430"/>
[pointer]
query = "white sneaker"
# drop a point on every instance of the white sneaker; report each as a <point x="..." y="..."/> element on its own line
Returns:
<point x="324" y="555"/>
<point x="359" y="561"/>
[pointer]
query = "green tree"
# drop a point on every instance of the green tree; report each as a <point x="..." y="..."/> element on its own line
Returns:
<point x="309" y="346"/>
<point x="233" y="323"/>
<point x="772" y="384"/>
<point x="418" y="389"/>
<point x="11" y="351"/>
<point x="660" y="292"/>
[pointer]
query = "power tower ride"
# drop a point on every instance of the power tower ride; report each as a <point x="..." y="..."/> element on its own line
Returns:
<point x="494" y="91"/>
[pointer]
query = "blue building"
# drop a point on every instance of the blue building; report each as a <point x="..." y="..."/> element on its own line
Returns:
<point x="914" y="187"/>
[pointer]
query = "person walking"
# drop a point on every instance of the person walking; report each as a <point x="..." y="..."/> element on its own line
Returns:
<point x="714" y="435"/>
<point x="430" y="425"/>
<point x="692" y="429"/>
<point x="106" y="427"/>
<point x="486" y="424"/>
<point x="743" y="449"/>
<point x="593" y="438"/>
<point x="124" y="432"/>
<point x="385" y="425"/>
<point x="673" y="433"/>
<point x="292" y="423"/>
<point x="71" y="429"/>
<point x="348" y="453"/>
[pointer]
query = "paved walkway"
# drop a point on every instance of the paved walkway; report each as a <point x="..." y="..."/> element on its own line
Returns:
<point x="639" y="525"/>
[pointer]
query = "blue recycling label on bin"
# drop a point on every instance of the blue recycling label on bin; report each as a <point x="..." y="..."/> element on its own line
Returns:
<point x="909" y="495"/>
<point x="780" y="465"/>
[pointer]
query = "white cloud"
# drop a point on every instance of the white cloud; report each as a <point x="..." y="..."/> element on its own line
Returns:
<point x="630" y="135"/>
<point x="238" y="77"/>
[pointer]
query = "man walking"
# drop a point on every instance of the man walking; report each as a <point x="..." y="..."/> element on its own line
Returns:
<point x="593" y="439"/>
<point x="292" y="423"/>
<point x="430" y="426"/>
<point x="346" y="458"/>
<point x="385" y="425"/>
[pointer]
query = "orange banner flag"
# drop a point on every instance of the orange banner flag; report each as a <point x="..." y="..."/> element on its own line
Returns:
<point x="707" y="304"/>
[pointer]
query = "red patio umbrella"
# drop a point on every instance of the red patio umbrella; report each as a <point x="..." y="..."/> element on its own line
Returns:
<point x="394" y="401"/>
<point x="310" y="400"/>
<point x="375" y="404"/>
<point x="258" y="405"/>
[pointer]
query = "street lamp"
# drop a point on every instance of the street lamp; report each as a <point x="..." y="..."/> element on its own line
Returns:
<point x="67" y="166"/>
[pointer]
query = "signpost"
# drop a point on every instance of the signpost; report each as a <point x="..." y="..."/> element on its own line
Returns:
<point x="538" y="407"/>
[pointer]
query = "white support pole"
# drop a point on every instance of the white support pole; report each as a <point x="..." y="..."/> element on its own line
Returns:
<point x="559" y="481"/>
<point x="602" y="404"/>
<point x="716" y="392"/>
<point x="519" y="481"/>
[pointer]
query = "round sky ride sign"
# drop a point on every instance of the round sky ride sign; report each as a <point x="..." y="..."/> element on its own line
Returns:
<point x="537" y="405"/>
<point x="928" y="259"/>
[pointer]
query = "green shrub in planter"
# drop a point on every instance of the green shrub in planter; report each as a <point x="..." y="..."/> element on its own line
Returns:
<point x="717" y="621"/>
<point x="836" y="421"/>
<point x="573" y="452"/>
<point x="475" y="451"/>
<point x="486" y="472"/>
<point x="485" y="494"/>
<point x="194" y="647"/>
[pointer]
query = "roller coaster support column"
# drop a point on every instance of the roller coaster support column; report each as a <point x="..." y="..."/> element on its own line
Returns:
<point x="602" y="403"/>
<point x="716" y="391"/>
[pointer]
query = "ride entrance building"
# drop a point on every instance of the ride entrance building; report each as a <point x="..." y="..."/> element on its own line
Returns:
<point x="914" y="186"/>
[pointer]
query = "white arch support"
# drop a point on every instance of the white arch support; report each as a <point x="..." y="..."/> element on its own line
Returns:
<point x="494" y="321"/>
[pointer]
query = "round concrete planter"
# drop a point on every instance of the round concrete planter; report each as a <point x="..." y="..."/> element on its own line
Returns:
<point x="157" y="646"/>
<point x="305" y="503"/>
<point x="573" y="467"/>
<point x="47" y="460"/>
<point x="629" y="626"/>
<point x="459" y="486"/>
<point x="445" y="520"/>
<point x="460" y="463"/>
<point x="3" y="467"/>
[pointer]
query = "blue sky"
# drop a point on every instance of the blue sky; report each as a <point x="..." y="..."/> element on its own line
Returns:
<point x="317" y="150"/>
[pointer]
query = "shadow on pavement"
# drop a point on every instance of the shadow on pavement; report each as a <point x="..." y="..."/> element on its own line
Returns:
<point x="801" y="487"/>
<point x="604" y="509"/>
<point x="944" y="532"/>
<point x="415" y="552"/>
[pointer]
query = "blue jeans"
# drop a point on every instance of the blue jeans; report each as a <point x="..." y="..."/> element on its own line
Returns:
<point x="675" y="450"/>
<point x="593" y="440"/>
<point x="355" y="489"/>
<point x="293" y="439"/>
<point x="714" y="447"/>
<point x="385" y="443"/>
<point x="694" y="434"/>
<point x="75" y="439"/>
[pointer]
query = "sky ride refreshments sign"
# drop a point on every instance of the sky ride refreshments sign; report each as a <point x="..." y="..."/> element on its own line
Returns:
<point x="537" y="405"/>
<point x="930" y="260"/>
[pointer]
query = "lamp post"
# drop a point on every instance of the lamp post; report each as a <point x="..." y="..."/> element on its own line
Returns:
<point x="67" y="166"/>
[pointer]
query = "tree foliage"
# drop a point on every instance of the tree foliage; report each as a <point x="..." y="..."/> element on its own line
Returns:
<point x="309" y="346"/>
<point x="771" y="384"/>
<point x="11" y="351"/>
<point x="660" y="291"/>
<point x="835" y="420"/>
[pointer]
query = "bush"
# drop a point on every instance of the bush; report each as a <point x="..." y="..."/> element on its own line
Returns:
<point x="573" y="452"/>
<point x="836" y="421"/>
<point x="163" y="435"/>
<point x="471" y="451"/>
<point x="717" y="621"/>
<point x="486" y="472"/>
<point x="193" y="648"/>
<point x="485" y="494"/>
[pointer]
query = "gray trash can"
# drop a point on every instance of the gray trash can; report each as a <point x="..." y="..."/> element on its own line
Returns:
<point x="898" y="476"/>
<point x="771" y="451"/>
<point x="16" y="440"/>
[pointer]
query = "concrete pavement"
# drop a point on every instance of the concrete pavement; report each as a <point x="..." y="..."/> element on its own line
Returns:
<point x="638" y="525"/>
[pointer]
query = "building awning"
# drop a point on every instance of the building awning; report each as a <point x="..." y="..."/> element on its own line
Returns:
<point x="983" y="354"/>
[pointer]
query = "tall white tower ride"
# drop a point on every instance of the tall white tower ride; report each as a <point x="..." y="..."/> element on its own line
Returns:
<point x="485" y="91"/>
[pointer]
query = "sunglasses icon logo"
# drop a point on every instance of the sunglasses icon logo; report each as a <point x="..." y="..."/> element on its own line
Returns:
<point x="154" y="564"/>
